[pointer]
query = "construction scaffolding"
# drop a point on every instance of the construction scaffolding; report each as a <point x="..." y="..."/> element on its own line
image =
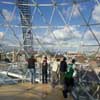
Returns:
<point x="25" y="14"/>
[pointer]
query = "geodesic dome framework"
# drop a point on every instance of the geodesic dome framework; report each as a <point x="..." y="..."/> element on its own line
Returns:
<point x="55" y="25"/>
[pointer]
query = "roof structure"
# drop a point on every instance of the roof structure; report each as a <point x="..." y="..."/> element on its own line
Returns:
<point x="56" y="25"/>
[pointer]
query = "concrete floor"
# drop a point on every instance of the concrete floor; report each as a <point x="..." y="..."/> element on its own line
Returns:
<point x="26" y="91"/>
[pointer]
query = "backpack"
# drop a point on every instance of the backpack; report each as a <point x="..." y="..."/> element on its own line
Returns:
<point x="69" y="72"/>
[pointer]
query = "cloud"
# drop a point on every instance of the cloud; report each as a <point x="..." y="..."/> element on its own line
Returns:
<point x="60" y="36"/>
<point x="67" y="40"/>
<point x="64" y="39"/>
<point x="68" y="11"/>
<point x="7" y="14"/>
<point x="65" y="33"/>
<point x="1" y="35"/>
<point x="75" y="12"/>
<point x="89" y="35"/>
<point x="96" y="13"/>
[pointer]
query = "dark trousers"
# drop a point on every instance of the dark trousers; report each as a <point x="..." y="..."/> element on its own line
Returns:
<point x="62" y="77"/>
<point x="68" y="85"/>
<point x="44" y="76"/>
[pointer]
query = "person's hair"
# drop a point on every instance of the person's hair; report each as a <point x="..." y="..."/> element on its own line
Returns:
<point x="64" y="58"/>
<point x="57" y="59"/>
<point x="32" y="56"/>
<point x="45" y="57"/>
<point x="73" y="61"/>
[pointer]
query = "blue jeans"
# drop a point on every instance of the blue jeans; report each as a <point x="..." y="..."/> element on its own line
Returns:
<point x="32" y="74"/>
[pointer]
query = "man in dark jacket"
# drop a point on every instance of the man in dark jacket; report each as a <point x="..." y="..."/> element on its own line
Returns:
<point x="63" y="68"/>
<point x="31" y="67"/>
<point x="44" y="70"/>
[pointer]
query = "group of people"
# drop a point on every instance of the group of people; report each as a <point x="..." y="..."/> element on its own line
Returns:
<point x="66" y="72"/>
<point x="32" y="69"/>
<point x="62" y="72"/>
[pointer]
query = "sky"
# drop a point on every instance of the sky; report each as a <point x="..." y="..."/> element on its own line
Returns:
<point x="67" y="24"/>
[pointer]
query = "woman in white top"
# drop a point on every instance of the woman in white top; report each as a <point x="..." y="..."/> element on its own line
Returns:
<point x="55" y="71"/>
